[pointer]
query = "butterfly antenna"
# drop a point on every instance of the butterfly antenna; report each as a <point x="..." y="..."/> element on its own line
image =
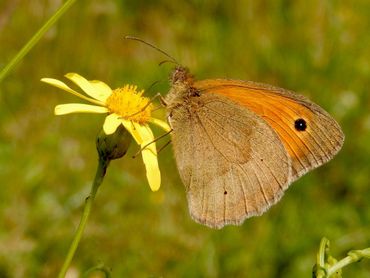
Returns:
<point x="152" y="85"/>
<point x="167" y="61"/>
<point x="152" y="46"/>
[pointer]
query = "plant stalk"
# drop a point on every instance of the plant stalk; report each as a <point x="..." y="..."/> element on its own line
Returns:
<point x="32" y="42"/>
<point x="99" y="176"/>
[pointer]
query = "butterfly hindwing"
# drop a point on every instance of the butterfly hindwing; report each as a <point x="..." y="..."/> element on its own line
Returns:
<point x="232" y="163"/>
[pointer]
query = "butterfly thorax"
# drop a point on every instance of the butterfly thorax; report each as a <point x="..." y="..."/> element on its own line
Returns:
<point x="182" y="89"/>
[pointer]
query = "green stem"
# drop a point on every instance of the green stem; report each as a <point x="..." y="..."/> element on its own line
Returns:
<point x="320" y="260"/>
<point x="101" y="268"/>
<point x="324" y="245"/>
<point x="31" y="43"/>
<point x="353" y="256"/>
<point x="99" y="176"/>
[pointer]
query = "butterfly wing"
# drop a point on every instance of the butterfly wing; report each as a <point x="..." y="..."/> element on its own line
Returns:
<point x="232" y="163"/>
<point x="321" y="138"/>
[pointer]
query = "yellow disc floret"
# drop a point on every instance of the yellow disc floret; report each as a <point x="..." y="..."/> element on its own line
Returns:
<point x="129" y="103"/>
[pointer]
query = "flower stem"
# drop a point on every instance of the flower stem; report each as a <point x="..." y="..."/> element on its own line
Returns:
<point x="31" y="43"/>
<point x="99" y="176"/>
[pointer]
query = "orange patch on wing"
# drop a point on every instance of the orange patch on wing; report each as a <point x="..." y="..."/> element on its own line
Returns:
<point x="278" y="110"/>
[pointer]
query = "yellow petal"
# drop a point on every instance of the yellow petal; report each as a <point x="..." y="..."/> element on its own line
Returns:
<point x="59" y="84"/>
<point x="129" y="125"/>
<point x="143" y="136"/>
<point x="95" y="89"/>
<point x="63" y="109"/>
<point x="152" y="169"/>
<point x="100" y="86"/>
<point x="150" y="157"/>
<point x="145" y="133"/>
<point x="160" y="123"/>
<point x="111" y="123"/>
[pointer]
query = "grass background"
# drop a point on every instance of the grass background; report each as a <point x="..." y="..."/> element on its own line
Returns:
<point x="318" y="48"/>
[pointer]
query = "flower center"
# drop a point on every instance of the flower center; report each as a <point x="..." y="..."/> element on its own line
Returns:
<point x="129" y="103"/>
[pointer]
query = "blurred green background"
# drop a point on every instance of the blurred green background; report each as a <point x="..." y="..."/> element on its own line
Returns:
<point x="318" y="48"/>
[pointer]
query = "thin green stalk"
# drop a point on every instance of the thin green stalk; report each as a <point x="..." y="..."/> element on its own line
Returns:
<point x="353" y="256"/>
<point x="324" y="245"/>
<point x="99" y="176"/>
<point x="31" y="43"/>
<point x="99" y="268"/>
<point x="327" y="266"/>
<point x="320" y="271"/>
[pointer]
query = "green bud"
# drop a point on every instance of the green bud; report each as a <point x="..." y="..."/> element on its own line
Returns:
<point x="113" y="146"/>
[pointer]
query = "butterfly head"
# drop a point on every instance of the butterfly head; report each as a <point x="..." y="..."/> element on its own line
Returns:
<point x="181" y="75"/>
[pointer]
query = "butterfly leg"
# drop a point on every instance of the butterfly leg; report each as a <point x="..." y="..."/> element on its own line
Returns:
<point x="155" y="140"/>
<point x="165" y="145"/>
<point x="161" y="99"/>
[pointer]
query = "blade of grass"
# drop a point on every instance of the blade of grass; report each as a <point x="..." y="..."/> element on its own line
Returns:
<point x="36" y="37"/>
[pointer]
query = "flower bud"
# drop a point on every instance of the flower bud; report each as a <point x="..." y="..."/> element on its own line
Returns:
<point x="113" y="146"/>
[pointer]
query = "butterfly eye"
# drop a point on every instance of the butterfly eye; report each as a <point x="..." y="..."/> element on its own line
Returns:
<point x="300" y="124"/>
<point x="179" y="74"/>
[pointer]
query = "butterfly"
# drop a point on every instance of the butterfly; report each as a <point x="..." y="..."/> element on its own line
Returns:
<point x="238" y="145"/>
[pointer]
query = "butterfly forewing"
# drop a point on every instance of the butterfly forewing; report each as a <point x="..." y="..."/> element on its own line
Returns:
<point x="316" y="143"/>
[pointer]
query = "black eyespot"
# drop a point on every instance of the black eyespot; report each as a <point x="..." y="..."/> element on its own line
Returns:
<point x="225" y="192"/>
<point x="300" y="125"/>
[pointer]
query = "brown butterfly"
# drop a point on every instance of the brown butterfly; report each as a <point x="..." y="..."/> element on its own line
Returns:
<point x="240" y="144"/>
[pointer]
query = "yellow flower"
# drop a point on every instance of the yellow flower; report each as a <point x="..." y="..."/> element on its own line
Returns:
<point x="124" y="106"/>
